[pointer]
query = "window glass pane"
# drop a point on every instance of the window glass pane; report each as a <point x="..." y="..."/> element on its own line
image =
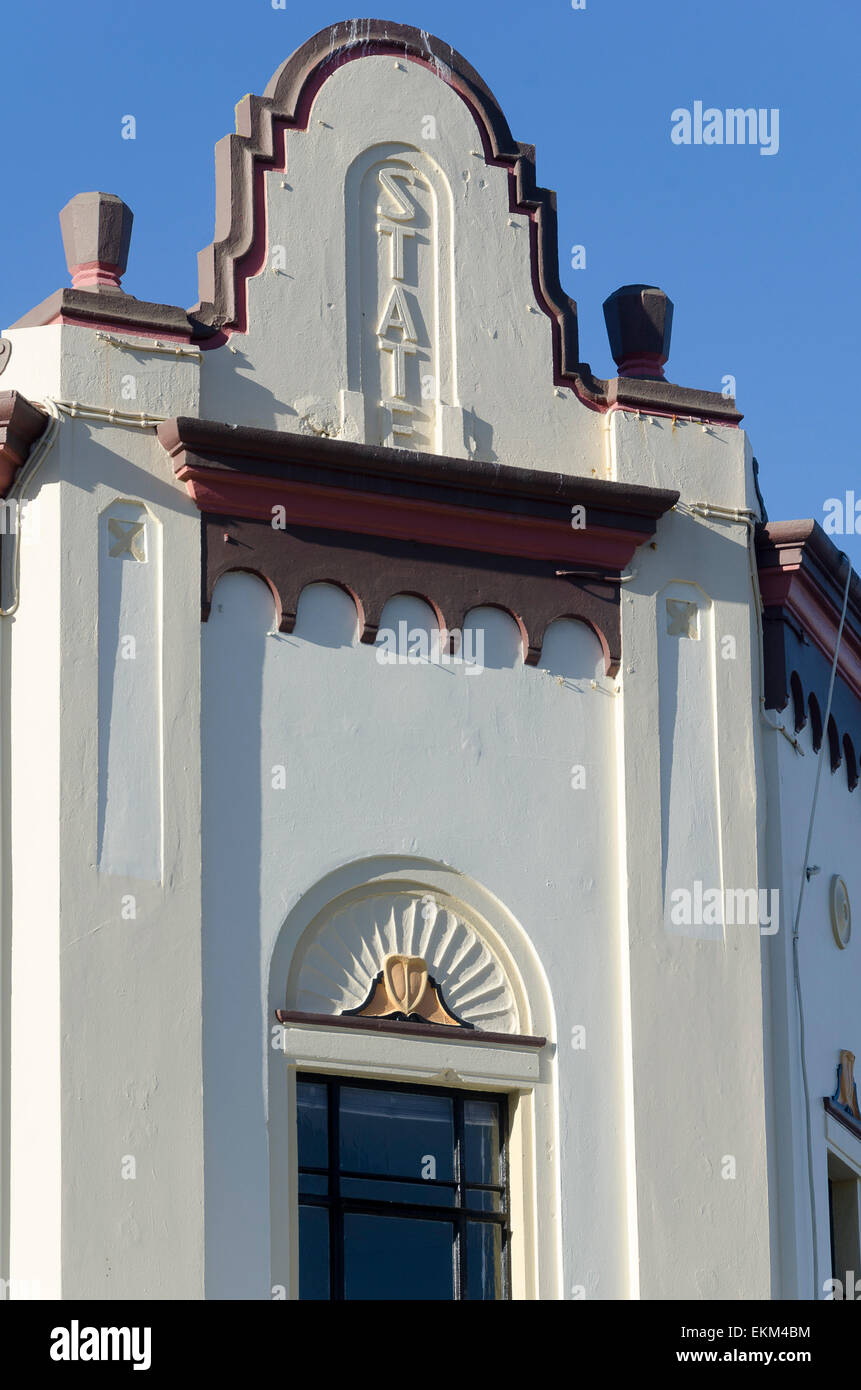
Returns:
<point x="373" y="1190"/>
<point x="313" y="1252"/>
<point x="317" y="1184"/>
<point x="481" y="1139"/>
<point x="482" y="1201"/>
<point x="396" y="1132"/>
<point x="313" y="1125"/>
<point x="388" y="1257"/>
<point x="483" y="1260"/>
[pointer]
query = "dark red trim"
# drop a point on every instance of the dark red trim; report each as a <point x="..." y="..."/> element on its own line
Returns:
<point x="377" y="522"/>
<point x="803" y="577"/>
<point x="21" y="424"/>
<point x="842" y="1116"/>
<point x="415" y="1030"/>
<point x="111" y="310"/>
<point x="372" y="570"/>
<point x="400" y="518"/>
<point x="372" y="490"/>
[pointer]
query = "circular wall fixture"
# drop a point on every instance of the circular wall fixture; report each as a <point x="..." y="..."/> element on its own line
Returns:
<point x="841" y="913"/>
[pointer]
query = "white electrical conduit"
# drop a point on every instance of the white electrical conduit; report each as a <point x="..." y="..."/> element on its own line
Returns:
<point x="28" y="472"/>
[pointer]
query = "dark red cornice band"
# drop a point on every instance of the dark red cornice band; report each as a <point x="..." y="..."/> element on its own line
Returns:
<point x="802" y="576"/>
<point x="458" y="532"/>
<point x="21" y="424"/>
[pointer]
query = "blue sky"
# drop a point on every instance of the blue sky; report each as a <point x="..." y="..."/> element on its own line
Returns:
<point x="759" y="253"/>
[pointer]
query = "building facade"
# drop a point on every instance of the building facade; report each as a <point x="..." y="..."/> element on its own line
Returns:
<point x="408" y="748"/>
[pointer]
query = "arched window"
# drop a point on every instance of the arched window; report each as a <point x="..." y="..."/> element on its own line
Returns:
<point x="419" y="1093"/>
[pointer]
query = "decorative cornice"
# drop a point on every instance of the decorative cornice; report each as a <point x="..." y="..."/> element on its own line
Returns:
<point x="802" y="578"/>
<point x="21" y="424"/>
<point x="105" y="308"/>
<point x="665" y="398"/>
<point x="460" y="532"/>
<point x="373" y="490"/>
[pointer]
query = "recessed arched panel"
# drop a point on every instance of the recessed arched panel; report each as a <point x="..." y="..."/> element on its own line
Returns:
<point x="493" y="638"/>
<point x="690" y="761"/>
<point x="244" y="598"/>
<point x="326" y="614"/>
<point x="798" y="710"/>
<point x="409" y="628"/>
<point x="815" y="723"/>
<point x="834" y="749"/>
<point x="851" y="762"/>
<point x="401" y="322"/>
<point x="571" y="648"/>
<point x="130" y="729"/>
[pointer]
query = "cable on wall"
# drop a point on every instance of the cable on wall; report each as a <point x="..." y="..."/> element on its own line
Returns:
<point x="811" y="1178"/>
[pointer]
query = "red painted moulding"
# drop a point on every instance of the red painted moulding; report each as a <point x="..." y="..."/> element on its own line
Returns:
<point x="374" y="490"/>
<point x="405" y="519"/>
<point x="800" y="574"/>
<point x="377" y="521"/>
<point x="21" y="424"/>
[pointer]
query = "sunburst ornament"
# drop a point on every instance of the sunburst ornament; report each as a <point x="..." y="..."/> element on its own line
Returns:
<point x="405" y="990"/>
<point x="406" y="953"/>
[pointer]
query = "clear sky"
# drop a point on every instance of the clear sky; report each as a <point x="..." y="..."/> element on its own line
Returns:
<point x="758" y="252"/>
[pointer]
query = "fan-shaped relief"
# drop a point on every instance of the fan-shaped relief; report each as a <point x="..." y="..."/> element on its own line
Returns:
<point x="409" y="954"/>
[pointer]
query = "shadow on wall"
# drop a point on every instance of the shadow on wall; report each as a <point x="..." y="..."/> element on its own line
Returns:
<point x="236" y="1177"/>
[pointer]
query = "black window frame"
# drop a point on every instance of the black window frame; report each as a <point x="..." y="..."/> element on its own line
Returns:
<point x="457" y="1216"/>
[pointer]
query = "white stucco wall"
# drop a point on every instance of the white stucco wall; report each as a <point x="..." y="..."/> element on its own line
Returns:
<point x="117" y="944"/>
<point x="425" y="762"/>
<point x="689" y="764"/>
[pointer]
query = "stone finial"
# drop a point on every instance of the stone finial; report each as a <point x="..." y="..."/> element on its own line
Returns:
<point x="97" y="229"/>
<point x="639" y="321"/>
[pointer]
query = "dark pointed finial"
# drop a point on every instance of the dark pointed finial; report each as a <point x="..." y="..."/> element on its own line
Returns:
<point x="639" y="321"/>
